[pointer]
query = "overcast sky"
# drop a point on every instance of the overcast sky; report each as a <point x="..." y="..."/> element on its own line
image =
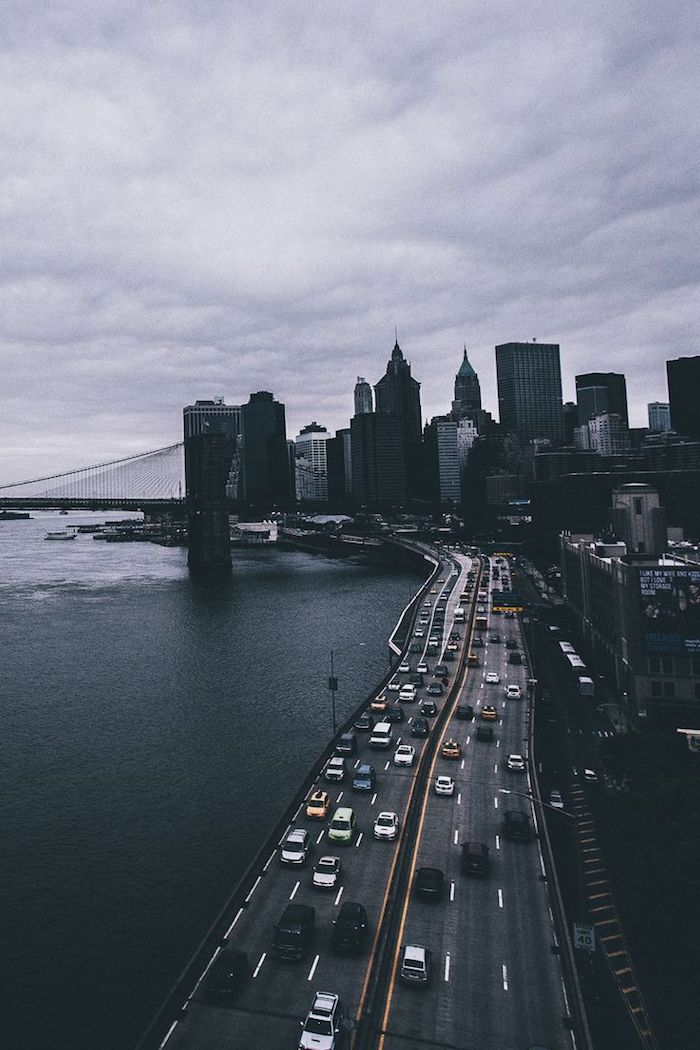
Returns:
<point x="208" y="198"/>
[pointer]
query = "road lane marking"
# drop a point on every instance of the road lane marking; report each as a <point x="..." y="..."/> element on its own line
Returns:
<point x="495" y="767"/>
<point x="468" y="739"/>
<point x="170" y="1031"/>
<point x="338" y="896"/>
<point x="357" y="763"/>
<point x="237" y="917"/>
<point x="339" y="798"/>
<point x="298" y="811"/>
<point x="498" y="743"/>
<point x="505" y="978"/>
<point x="500" y="898"/>
<point x="495" y="803"/>
<point x="447" y="967"/>
<point x="293" y="893"/>
<point x="359" y="839"/>
<point x="461" y="764"/>
<point x="269" y="861"/>
<point x="253" y="888"/>
<point x="256" y="971"/>
<point x="456" y="837"/>
<point x="459" y="798"/>
<point x="320" y="836"/>
<point x="386" y="766"/>
<point x="452" y="890"/>
<point x="312" y="971"/>
<point x="373" y="799"/>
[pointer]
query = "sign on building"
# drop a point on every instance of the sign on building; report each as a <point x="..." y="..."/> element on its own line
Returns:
<point x="670" y="609"/>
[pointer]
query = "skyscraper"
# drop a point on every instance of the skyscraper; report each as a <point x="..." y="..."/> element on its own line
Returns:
<point x="216" y="417"/>
<point x="684" y="395"/>
<point x="397" y="394"/>
<point x="529" y="390"/>
<point x="378" y="462"/>
<point x="310" y="451"/>
<point x="659" y="417"/>
<point x="467" y="400"/>
<point x="599" y="392"/>
<point x="265" y="464"/>
<point x="207" y="465"/>
<point x="441" y="458"/>
<point x="363" y="397"/>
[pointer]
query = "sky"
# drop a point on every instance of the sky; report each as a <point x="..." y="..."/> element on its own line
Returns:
<point x="206" y="198"/>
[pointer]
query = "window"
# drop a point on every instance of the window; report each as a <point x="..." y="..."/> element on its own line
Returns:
<point x="661" y="664"/>
<point x="656" y="688"/>
<point x="669" y="690"/>
<point x="637" y="505"/>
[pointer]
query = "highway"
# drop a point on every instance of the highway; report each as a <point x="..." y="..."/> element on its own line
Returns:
<point x="496" y="982"/>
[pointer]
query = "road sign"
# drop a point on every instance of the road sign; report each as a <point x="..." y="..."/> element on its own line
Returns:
<point x="584" y="937"/>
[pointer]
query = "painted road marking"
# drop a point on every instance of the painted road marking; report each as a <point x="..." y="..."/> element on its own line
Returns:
<point x="339" y="797"/>
<point x="387" y="766"/>
<point x="500" y="898"/>
<point x="495" y="803"/>
<point x="238" y="915"/>
<point x="256" y="971"/>
<point x="269" y="861"/>
<point x="505" y="978"/>
<point x="320" y="836"/>
<point x="456" y="836"/>
<point x="293" y="893"/>
<point x="359" y="839"/>
<point x="339" y="895"/>
<point x="447" y="967"/>
<point x="459" y="798"/>
<point x="253" y="888"/>
<point x="373" y="799"/>
<point x="312" y="971"/>
<point x="452" y="890"/>
<point x="498" y="841"/>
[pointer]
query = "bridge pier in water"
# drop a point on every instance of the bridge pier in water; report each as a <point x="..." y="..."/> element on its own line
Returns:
<point x="207" y="464"/>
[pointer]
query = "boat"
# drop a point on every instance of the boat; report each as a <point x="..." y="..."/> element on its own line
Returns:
<point x="59" y="536"/>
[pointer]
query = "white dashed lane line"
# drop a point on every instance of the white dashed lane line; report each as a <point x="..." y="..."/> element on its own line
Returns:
<point x="339" y="798"/>
<point x="237" y="917"/>
<point x="256" y="971"/>
<point x="359" y="839"/>
<point x="500" y="898"/>
<point x="447" y="967"/>
<point x="505" y="978"/>
<point x="292" y="895"/>
<point x="336" y="902"/>
<point x="373" y="799"/>
<point x="452" y="890"/>
<point x="495" y="803"/>
<point x="498" y="841"/>
<point x="312" y="971"/>
<point x="320" y="836"/>
<point x="456" y="836"/>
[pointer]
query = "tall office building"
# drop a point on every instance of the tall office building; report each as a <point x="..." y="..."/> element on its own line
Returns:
<point x="378" y="459"/>
<point x="607" y="434"/>
<point x="529" y="391"/>
<point x="442" y="460"/>
<point x="684" y="395"/>
<point x="311" y="466"/>
<point x="363" y="397"/>
<point x="467" y="400"/>
<point x="265" y="464"/>
<point x="398" y="393"/>
<point x="339" y="460"/>
<point x="207" y="465"/>
<point x="659" y="417"/>
<point x="216" y="417"/>
<point x="599" y="392"/>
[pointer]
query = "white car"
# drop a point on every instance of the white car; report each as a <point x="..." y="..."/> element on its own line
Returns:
<point x="427" y="603"/>
<point x="326" y="873"/>
<point x="296" y="846"/>
<point x="492" y="678"/>
<point x="386" y="826"/>
<point x="422" y="667"/>
<point x="433" y="590"/>
<point x="322" y="1029"/>
<point x="407" y="693"/>
<point x="394" y="684"/>
<point x="444" y="785"/>
<point x="516" y="763"/>
<point x="418" y="633"/>
<point x="404" y="755"/>
<point x="555" y="799"/>
<point x="513" y="692"/>
<point x="404" y="667"/>
<point x="590" y="776"/>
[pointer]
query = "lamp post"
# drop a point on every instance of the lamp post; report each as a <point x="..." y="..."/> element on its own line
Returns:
<point x="333" y="681"/>
<point x="545" y="805"/>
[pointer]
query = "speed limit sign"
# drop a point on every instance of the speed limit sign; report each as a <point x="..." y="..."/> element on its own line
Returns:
<point x="584" y="937"/>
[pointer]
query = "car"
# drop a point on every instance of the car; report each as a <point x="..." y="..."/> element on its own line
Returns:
<point x="395" y="714"/>
<point x="435" y="689"/>
<point x="335" y="770"/>
<point x="318" y="805"/>
<point x="441" y="671"/>
<point x="489" y="713"/>
<point x="415" y="964"/>
<point x="444" y="785"/>
<point x="364" y="778"/>
<point x="427" y="603"/>
<point x="415" y="647"/>
<point x="433" y="590"/>
<point x="516" y="825"/>
<point x="590" y="776"/>
<point x="364" y="723"/>
<point x="516" y="763"/>
<point x="420" y="727"/>
<point x="350" y="927"/>
<point x="296" y="846"/>
<point x="380" y="703"/>
<point x="404" y="755"/>
<point x="326" y="873"/>
<point x="386" y="826"/>
<point x="229" y="972"/>
<point x="428" y="709"/>
<point x="495" y="638"/>
<point x="511" y="644"/>
<point x="477" y="643"/>
<point x="404" y="667"/>
<point x="475" y="858"/>
<point x="451" y="749"/>
<point x="448" y="655"/>
<point x="465" y="712"/>
<point x="407" y="693"/>
<point x="492" y="678"/>
<point x="455" y="636"/>
<point x="555" y="799"/>
<point x="343" y="825"/>
<point x="513" y="692"/>
<point x="419" y="632"/>
<point x="394" y="685"/>
<point x="422" y="667"/>
<point x="324" y="1024"/>
<point x="294" y="932"/>
<point x="429" y="883"/>
<point x="484" y="734"/>
<point x="451" y="647"/>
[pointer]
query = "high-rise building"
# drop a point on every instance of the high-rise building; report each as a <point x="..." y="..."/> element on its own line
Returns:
<point x="467" y="400"/>
<point x="207" y="465"/>
<point x="265" y="463"/>
<point x="364" y="402"/>
<point x="339" y="459"/>
<point x="607" y="434"/>
<point x="684" y="395"/>
<point x="529" y="391"/>
<point x="378" y="459"/>
<point x="441" y="459"/>
<point x="570" y="421"/>
<point x="216" y="417"/>
<point x="659" y="417"/>
<point x="639" y="519"/>
<point x="398" y="393"/>
<point x="310" y="451"/>
<point x="600" y="392"/>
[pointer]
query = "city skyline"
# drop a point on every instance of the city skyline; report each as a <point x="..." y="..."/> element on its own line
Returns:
<point x="358" y="169"/>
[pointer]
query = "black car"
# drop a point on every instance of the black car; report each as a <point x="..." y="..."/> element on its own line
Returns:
<point x="455" y="636"/>
<point x="415" y="647"/>
<point x="465" y="712"/>
<point x="484" y="733"/>
<point x="227" y="974"/>
<point x="294" y="931"/>
<point x="475" y="858"/>
<point x="364" y="723"/>
<point x="394" y="714"/>
<point x="350" y="927"/>
<point x="435" y="689"/>
<point x="420" y="727"/>
<point x="441" y="671"/>
<point x="428" y="709"/>
<point x="447" y="655"/>
<point x="516" y="825"/>
<point x="429" y="883"/>
<point x="496" y="638"/>
<point x="478" y="643"/>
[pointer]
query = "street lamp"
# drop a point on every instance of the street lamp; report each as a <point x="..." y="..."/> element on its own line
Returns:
<point x="545" y="805"/>
<point x="333" y="681"/>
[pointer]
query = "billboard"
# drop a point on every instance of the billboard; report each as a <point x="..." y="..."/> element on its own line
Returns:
<point x="670" y="605"/>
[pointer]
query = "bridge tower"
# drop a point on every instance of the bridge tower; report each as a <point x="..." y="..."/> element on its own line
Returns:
<point x="207" y="464"/>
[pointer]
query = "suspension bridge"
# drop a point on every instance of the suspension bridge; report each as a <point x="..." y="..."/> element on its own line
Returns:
<point x="155" y="478"/>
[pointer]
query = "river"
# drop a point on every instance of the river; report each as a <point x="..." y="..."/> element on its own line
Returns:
<point x="154" y="730"/>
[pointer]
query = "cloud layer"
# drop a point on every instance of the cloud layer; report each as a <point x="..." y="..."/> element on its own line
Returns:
<point x="213" y="198"/>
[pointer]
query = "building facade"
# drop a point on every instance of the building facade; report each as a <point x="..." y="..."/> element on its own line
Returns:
<point x="467" y="401"/>
<point x="659" y="413"/>
<point x="598" y="393"/>
<point x="529" y="391"/>
<point x="608" y="434"/>
<point x="311" y="463"/>
<point x="684" y="396"/>
<point x="265" y="470"/>
<point x="363" y="397"/>
<point x="442" y="460"/>
<point x="378" y="459"/>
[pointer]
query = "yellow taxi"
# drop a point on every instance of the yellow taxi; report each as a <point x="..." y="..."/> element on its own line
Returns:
<point x="318" y="805"/>
<point x="451" y="749"/>
<point x="489" y="714"/>
<point x="380" y="703"/>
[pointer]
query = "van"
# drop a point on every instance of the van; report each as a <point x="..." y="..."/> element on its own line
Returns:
<point x="475" y="858"/>
<point x="347" y="745"/>
<point x="382" y="736"/>
<point x="343" y="826"/>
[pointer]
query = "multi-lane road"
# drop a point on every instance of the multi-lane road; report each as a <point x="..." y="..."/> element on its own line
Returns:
<point x="496" y="980"/>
